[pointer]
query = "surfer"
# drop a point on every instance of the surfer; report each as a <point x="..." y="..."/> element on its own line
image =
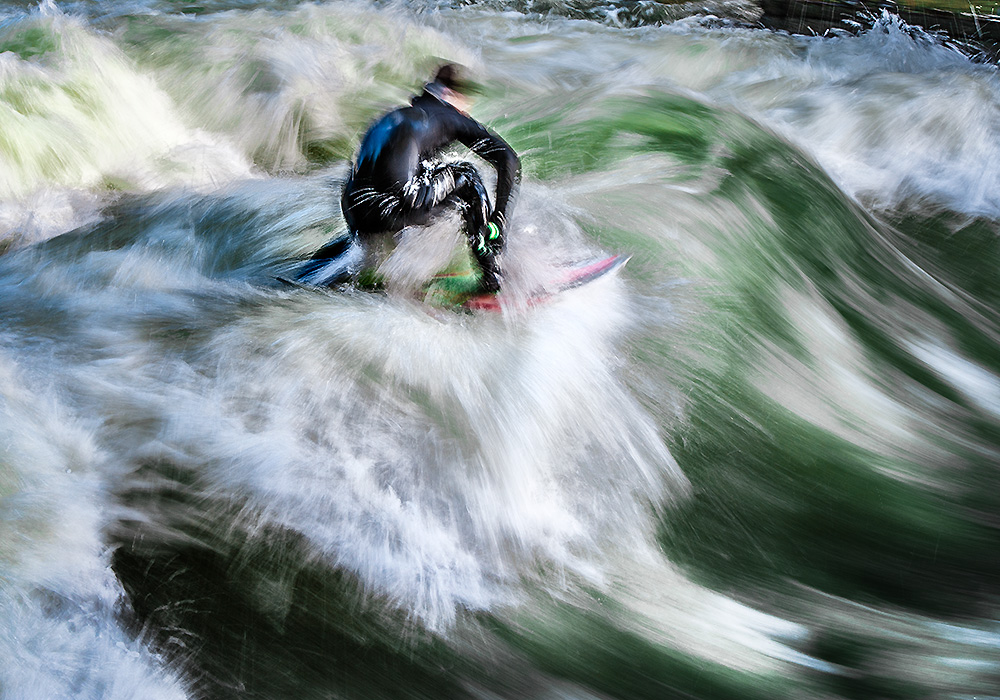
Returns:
<point x="397" y="179"/>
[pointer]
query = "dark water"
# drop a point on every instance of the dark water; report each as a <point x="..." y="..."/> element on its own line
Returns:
<point x="760" y="462"/>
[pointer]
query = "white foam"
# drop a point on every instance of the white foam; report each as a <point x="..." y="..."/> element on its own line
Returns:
<point x="59" y="637"/>
<point x="436" y="458"/>
<point x="979" y="385"/>
<point x="891" y="114"/>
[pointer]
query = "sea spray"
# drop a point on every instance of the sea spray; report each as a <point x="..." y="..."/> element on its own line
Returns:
<point x="59" y="599"/>
<point x="756" y="463"/>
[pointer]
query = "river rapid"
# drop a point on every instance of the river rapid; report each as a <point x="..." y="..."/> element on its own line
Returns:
<point x="760" y="461"/>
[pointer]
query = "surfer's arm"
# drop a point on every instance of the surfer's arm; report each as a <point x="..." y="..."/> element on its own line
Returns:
<point x="491" y="147"/>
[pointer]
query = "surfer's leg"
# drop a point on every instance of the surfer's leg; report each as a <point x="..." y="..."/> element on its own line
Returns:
<point x="369" y="210"/>
<point x="447" y="185"/>
<point x="331" y="264"/>
<point x="365" y="210"/>
<point x="443" y="186"/>
<point x="486" y="243"/>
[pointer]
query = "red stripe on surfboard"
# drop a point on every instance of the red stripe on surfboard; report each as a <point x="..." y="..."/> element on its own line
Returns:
<point x="584" y="273"/>
<point x="483" y="302"/>
<point x="572" y="278"/>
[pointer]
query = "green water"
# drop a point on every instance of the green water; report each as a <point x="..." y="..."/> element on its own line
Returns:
<point x="758" y="461"/>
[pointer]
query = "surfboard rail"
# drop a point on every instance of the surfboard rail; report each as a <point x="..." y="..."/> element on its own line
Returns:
<point x="569" y="278"/>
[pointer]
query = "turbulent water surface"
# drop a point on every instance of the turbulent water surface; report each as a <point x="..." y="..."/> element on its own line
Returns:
<point x="760" y="462"/>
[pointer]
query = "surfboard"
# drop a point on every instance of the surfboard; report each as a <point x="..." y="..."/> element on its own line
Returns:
<point x="458" y="290"/>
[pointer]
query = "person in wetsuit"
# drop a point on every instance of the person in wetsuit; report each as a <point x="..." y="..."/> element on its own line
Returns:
<point x="397" y="181"/>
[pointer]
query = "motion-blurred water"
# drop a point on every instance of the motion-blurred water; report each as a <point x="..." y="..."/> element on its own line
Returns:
<point x="760" y="462"/>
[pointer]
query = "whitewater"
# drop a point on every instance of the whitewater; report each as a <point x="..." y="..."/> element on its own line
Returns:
<point x="759" y="461"/>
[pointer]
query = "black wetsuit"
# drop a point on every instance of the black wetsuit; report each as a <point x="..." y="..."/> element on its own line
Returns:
<point x="396" y="181"/>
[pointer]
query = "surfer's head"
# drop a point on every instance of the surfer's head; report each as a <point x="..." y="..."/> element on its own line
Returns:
<point x="450" y="85"/>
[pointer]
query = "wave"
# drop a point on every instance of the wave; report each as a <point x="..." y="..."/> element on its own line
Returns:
<point x="758" y="463"/>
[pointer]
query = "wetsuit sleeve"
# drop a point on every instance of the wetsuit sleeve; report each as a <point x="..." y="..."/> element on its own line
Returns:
<point x="489" y="146"/>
